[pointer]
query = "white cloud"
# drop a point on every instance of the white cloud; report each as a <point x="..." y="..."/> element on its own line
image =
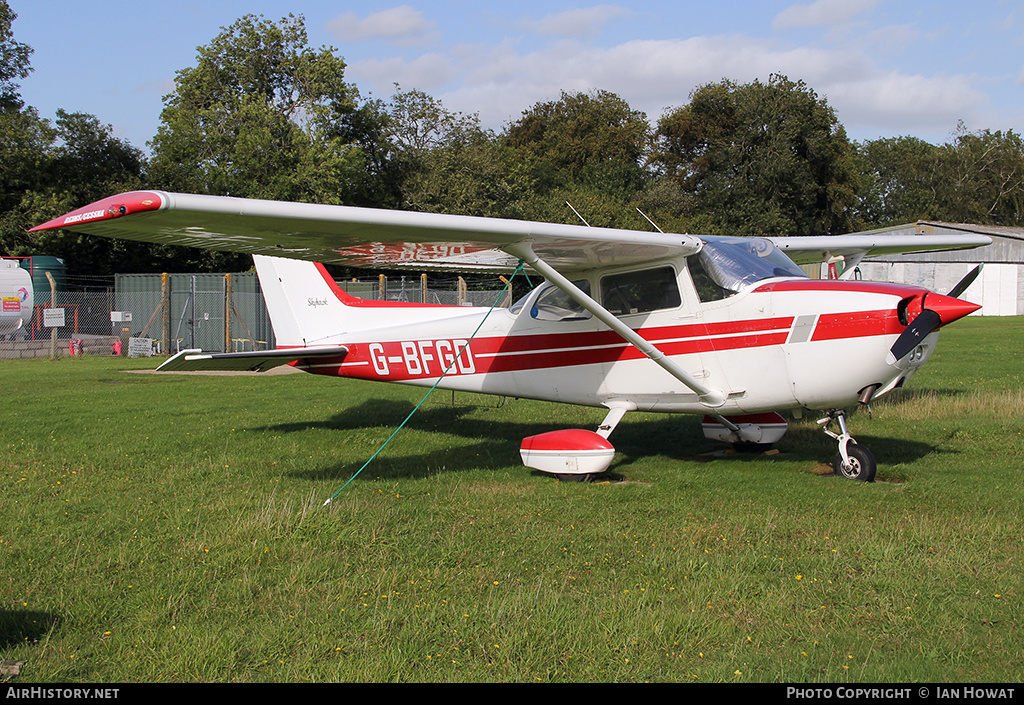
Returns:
<point x="499" y="80"/>
<point x="822" y="13"/>
<point x="581" y="22"/>
<point x="655" y="75"/>
<point x="403" y="23"/>
<point x="429" y="72"/>
<point x="892" y="103"/>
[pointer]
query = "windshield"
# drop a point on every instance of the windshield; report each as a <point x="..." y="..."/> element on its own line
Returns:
<point x="735" y="263"/>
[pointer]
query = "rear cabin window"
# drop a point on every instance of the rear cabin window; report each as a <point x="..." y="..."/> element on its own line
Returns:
<point x="640" y="292"/>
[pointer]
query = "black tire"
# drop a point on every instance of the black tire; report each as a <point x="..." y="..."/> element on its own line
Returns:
<point x="862" y="465"/>
<point x="573" y="477"/>
<point x="751" y="448"/>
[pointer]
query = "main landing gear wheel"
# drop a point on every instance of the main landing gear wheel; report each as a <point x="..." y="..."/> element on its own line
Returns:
<point x="574" y="477"/>
<point x="861" y="466"/>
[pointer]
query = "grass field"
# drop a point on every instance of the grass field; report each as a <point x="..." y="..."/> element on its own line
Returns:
<point x="169" y="528"/>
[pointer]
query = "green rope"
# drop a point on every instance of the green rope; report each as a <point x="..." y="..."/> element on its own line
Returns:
<point x="508" y="285"/>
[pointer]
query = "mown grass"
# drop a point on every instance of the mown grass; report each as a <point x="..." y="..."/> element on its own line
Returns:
<point x="170" y="528"/>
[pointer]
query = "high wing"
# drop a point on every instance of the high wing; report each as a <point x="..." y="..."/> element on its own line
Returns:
<point x="809" y="250"/>
<point x="368" y="237"/>
<point x="362" y="237"/>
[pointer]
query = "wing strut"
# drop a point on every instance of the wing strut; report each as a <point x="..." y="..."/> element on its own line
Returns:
<point x="711" y="397"/>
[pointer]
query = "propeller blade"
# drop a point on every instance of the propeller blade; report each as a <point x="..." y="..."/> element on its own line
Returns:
<point x="962" y="285"/>
<point x="938" y="311"/>
<point x="917" y="331"/>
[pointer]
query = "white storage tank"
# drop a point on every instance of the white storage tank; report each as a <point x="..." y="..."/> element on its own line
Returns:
<point x="15" y="297"/>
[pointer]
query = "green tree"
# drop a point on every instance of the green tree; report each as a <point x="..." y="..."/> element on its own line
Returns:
<point x="14" y="60"/>
<point x="258" y="117"/>
<point x="899" y="181"/>
<point x="25" y="140"/>
<point x="24" y="137"/>
<point x="584" y="149"/>
<point x="977" y="177"/>
<point x="983" y="178"/>
<point x="593" y="138"/>
<point x="22" y="132"/>
<point x="448" y="162"/>
<point x="80" y="161"/>
<point x="759" y="159"/>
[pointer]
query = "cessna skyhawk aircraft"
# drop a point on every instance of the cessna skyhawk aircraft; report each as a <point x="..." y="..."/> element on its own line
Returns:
<point x="726" y="327"/>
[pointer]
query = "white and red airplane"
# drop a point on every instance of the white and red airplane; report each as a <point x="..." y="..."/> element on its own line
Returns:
<point x="726" y="327"/>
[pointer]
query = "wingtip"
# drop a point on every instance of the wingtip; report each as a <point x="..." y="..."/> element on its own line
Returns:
<point x="106" y="209"/>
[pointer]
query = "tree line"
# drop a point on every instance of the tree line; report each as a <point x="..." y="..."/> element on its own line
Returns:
<point x="262" y="114"/>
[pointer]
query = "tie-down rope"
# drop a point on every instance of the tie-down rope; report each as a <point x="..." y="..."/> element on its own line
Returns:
<point x="508" y="285"/>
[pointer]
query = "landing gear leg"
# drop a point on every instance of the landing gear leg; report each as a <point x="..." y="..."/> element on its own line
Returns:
<point x="853" y="461"/>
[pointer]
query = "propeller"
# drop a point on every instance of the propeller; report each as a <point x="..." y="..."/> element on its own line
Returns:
<point x="962" y="285"/>
<point x="936" y="310"/>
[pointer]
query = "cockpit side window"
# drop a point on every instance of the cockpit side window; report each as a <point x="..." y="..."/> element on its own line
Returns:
<point x="707" y="288"/>
<point x="553" y="304"/>
<point x="640" y="292"/>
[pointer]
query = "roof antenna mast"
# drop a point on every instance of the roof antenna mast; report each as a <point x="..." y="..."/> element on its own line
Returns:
<point x="578" y="214"/>
<point x="650" y="221"/>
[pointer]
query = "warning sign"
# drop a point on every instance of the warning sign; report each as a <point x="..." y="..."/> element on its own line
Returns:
<point x="53" y="317"/>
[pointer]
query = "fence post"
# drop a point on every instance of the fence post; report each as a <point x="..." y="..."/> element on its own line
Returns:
<point x="227" y="313"/>
<point x="165" y="324"/>
<point x="423" y="288"/>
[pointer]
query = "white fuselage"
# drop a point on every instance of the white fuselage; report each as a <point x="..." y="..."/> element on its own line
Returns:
<point x="780" y="343"/>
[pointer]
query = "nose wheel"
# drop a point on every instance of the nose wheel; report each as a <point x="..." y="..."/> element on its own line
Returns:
<point x="853" y="461"/>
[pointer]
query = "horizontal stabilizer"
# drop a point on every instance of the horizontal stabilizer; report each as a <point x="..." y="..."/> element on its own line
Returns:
<point x="258" y="361"/>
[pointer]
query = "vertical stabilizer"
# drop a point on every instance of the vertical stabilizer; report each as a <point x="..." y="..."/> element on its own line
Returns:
<point x="303" y="305"/>
<point x="308" y="309"/>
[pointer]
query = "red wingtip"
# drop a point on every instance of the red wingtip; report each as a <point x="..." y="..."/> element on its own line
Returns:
<point x="106" y="209"/>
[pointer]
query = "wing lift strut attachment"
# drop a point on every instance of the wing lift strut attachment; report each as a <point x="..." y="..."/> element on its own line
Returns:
<point x="575" y="454"/>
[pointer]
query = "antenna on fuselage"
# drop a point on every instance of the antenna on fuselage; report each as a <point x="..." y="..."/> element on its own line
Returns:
<point x="650" y="221"/>
<point x="578" y="214"/>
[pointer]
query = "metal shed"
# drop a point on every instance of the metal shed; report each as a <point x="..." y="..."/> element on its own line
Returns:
<point x="999" y="289"/>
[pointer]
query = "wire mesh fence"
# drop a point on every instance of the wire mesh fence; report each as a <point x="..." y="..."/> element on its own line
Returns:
<point x="161" y="314"/>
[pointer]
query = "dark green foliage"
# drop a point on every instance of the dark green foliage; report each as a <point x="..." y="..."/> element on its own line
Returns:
<point x="14" y="63"/>
<point x="978" y="177"/>
<point x="255" y="118"/>
<point x="587" y="139"/>
<point x="983" y="178"/>
<point x="899" y="181"/>
<point x="447" y="161"/>
<point x="760" y="159"/>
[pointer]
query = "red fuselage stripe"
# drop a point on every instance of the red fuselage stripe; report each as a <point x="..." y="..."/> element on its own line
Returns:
<point x="862" y="324"/>
<point x="421" y="359"/>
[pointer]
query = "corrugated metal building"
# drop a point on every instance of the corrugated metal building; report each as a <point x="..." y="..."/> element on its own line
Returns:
<point x="999" y="289"/>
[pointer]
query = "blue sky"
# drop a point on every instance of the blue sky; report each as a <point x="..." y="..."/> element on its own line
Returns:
<point x="888" y="67"/>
